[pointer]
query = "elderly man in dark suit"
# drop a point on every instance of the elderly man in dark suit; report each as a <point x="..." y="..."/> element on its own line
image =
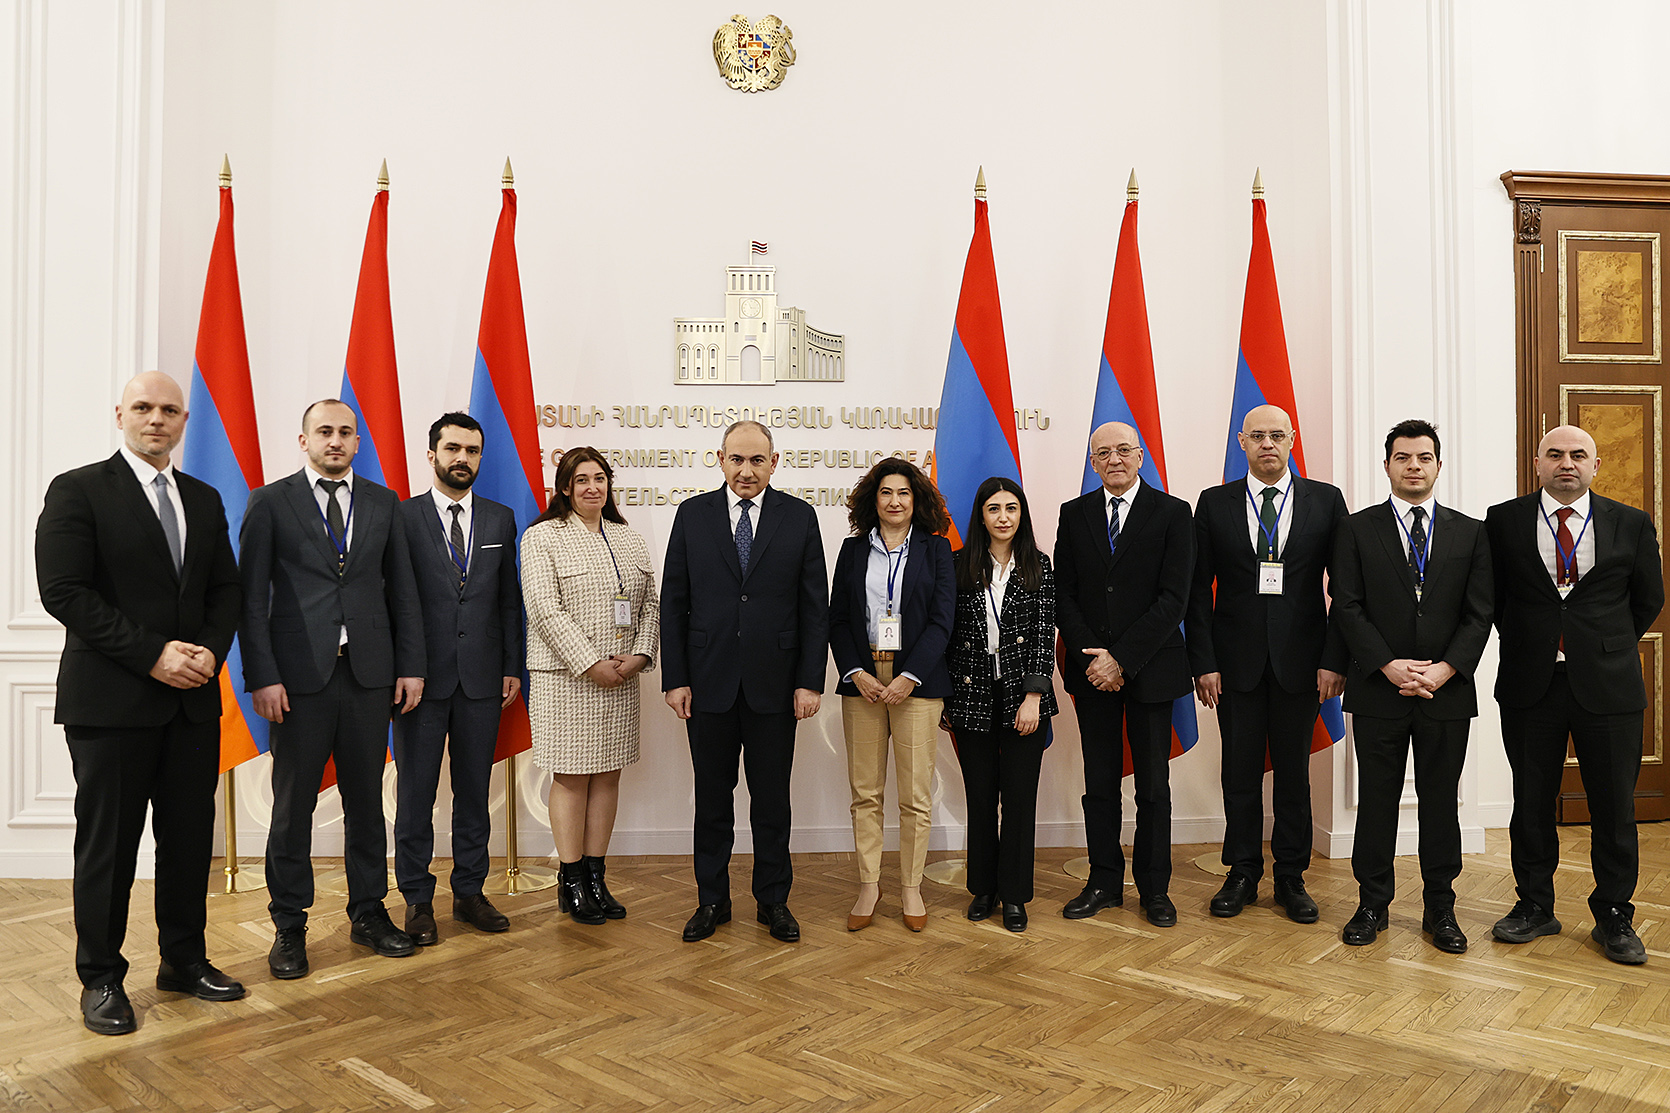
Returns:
<point x="1412" y="598"/>
<point x="1578" y="582"/>
<point x="464" y="558"/>
<point x="332" y="636"/>
<point x="1123" y="557"/>
<point x="133" y="558"/>
<point x="744" y="646"/>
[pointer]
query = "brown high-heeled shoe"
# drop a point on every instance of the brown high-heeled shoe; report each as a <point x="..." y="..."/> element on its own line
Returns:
<point x="859" y="923"/>
<point x="916" y="923"/>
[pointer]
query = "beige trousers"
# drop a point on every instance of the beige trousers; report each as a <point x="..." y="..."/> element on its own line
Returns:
<point x="914" y="728"/>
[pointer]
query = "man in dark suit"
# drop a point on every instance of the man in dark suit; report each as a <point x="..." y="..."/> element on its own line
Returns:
<point x="744" y="637"/>
<point x="1578" y="582"/>
<point x="132" y="557"/>
<point x="332" y="636"/>
<point x="1256" y="647"/>
<point x="1411" y="583"/>
<point x="1123" y="557"/>
<point x="464" y="558"/>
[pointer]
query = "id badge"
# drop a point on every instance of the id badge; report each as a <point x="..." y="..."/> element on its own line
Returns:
<point x="1269" y="577"/>
<point x="623" y="613"/>
<point x="1564" y="589"/>
<point x="888" y="634"/>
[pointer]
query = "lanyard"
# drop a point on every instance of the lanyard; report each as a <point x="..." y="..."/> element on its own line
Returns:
<point x="341" y="546"/>
<point x="1270" y="534"/>
<point x="469" y="546"/>
<point x="1418" y="555"/>
<point x="620" y="581"/>
<point x="893" y="568"/>
<point x="1560" y="560"/>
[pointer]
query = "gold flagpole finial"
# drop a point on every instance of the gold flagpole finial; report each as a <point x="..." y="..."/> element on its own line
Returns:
<point x="1131" y="186"/>
<point x="1258" y="184"/>
<point x="225" y="172"/>
<point x="980" y="184"/>
<point x="383" y="177"/>
<point x="508" y="181"/>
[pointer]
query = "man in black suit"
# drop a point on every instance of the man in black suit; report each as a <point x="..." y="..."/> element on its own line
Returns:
<point x="1256" y="647"/>
<point x="1411" y="583"/>
<point x="132" y="557"/>
<point x="744" y="637"/>
<point x="1123" y="557"/>
<point x="1578" y="582"/>
<point x="464" y="558"/>
<point x="332" y="636"/>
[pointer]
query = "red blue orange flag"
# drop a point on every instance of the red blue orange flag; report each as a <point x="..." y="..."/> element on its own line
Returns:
<point x="975" y="437"/>
<point x="223" y="449"/>
<point x="501" y="398"/>
<point x="1264" y="377"/>
<point x="370" y="381"/>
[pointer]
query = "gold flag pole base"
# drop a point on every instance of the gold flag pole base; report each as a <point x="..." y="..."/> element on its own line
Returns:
<point x="947" y="871"/>
<point x="1212" y="862"/>
<point x="1080" y="868"/>
<point x="517" y="878"/>
<point x="236" y="882"/>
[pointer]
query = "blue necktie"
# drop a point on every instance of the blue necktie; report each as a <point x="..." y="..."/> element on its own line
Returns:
<point x="1113" y="521"/>
<point x="744" y="535"/>
<point x="170" y="521"/>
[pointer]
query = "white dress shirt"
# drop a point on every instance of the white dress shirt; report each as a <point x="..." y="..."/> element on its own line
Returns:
<point x="994" y="604"/>
<point x="1125" y="505"/>
<point x="733" y="502"/>
<point x="466" y="520"/>
<point x="1284" y="511"/>
<point x="147" y="476"/>
<point x="1406" y="514"/>
<point x="1549" y="528"/>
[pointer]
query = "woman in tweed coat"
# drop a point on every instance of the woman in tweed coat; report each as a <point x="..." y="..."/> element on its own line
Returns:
<point x="1002" y="659"/>
<point x="593" y="625"/>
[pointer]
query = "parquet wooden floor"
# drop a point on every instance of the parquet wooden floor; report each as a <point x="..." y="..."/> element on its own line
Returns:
<point x="1254" y="1013"/>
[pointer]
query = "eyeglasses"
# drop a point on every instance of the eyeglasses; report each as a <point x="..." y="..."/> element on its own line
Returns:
<point x="1278" y="438"/>
<point x="1103" y="455"/>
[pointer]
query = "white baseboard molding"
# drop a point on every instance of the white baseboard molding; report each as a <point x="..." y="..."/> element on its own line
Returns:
<point x="1338" y="844"/>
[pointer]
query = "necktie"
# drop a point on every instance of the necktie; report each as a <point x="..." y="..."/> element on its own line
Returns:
<point x="1565" y="553"/>
<point x="171" y="521"/>
<point x="744" y="535"/>
<point x="1417" y="542"/>
<point x="1113" y="521"/>
<point x="460" y="547"/>
<point x="333" y="518"/>
<point x="1267" y="515"/>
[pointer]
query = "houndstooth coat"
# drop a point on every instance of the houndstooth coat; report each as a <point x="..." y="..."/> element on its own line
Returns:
<point x="1027" y="653"/>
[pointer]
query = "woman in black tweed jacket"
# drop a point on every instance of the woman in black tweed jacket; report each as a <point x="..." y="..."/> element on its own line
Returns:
<point x="1002" y="659"/>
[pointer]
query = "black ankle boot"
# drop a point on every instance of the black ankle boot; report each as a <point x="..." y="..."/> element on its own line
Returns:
<point x="574" y="894"/>
<point x="600" y="894"/>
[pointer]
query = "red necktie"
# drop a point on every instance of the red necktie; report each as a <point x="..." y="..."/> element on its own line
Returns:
<point x="1565" y="549"/>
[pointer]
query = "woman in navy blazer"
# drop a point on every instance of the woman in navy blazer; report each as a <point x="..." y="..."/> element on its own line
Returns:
<point x="890" y="614"/>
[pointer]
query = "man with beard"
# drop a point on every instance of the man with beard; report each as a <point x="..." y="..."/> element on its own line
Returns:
<point x="464" y="557"/>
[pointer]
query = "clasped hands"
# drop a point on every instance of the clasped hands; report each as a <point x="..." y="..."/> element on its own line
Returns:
<point x="1417" y="679"/>
<point x="875" y="691"/>
<point x="184" y="665"/>
<point x="617" y="669"/>
<point x="1104" y="672"/>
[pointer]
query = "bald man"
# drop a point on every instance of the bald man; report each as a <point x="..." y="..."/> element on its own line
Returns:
<point x="133" y="558"/>
<point x="1259" y="650"/>
<point x="1578" y="582"/>
<point x="1123" y="557"/>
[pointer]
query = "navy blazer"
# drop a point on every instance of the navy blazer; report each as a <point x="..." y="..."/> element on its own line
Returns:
<point x="926" y="603"/>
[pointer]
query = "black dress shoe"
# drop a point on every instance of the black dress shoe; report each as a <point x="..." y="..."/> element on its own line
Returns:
<point x="374" y="929"/>
<point x="1091" y="901"/>
<point x="1291" y="895"/>
<point x="1238" y="891"/>
<point x="1527" y="921"/>
<point x="1364" y="927"/>
<point x="1014" y="916"/>
<point x="1617" y="938"/>
<point x="707" y="917"/>
<point x="981" y="907"/>
<point x="574" y="894"/>
<point x="200" y="979"/>
<point x="781" y="921"/>
<point x="1447" y="935"/>
<point x="105" y="1010"/>
<point x="605" y="900"/>
<point x="420" y="924"/>
<point x="1159" y="910"/>
<point x="288" y="958"/>
<point x="477" y="911"/>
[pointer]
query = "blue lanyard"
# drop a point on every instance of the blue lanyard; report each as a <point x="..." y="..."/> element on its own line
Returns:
<point x="893" y="568"/>
<point x="1270" y="534"/>
<point x="341" y="546"/>
<point x="1419" y="555"/>
<point x="602" y="528"/>
<point x="469" y="546"/>
<point x="1560" y="560"/>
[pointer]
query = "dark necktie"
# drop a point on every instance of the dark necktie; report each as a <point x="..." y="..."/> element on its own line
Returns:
<point x="333" y="519"/>
<point x="1113" y="521"/>
<point x="1417" y="543"/>
<point x="460" y="548"/>
<point x="744" y="535"/>
<point x="1267" y="517"/>
<point x="171" y="522"/>
<point x="1565" y="553"/>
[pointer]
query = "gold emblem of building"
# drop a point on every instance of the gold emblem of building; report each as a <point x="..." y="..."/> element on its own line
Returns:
<point x="753" y="56"/>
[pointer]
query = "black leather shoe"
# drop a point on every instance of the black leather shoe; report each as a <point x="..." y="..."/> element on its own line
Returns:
<point x="477" y="911"/>
<point x="574" y="894"/>
<point x="1159" y="910"/>
<point x="420" y="924"/>
<point x="1291" y="895"/>
<point x="1014" y="916"/>
<point x="1238" y="891"/>
<point x="1447" y="935"/>
<point x="374" y="929"/>
<point x="981" y="907"/>
<point x="201" y="980"/>
<point x="605" y="900"/>
<point x="781" y="921"/>
<point x="1091" y="901"/>
<point x="1526" y="922"/>
<point x="288" y="958"/>
<point x="105" y="1010"/>
<point x="1617" y="938"/>
<point x="707" y="917"/>
<point x="1364" y="927"/>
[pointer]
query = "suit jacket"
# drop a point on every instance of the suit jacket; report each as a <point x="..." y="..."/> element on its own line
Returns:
<point x="472" y="638"/>
<point x="1236" y="631"/>
<point x="1375" y="608"/>
<point x="926" y="604"/>
<point x="1602" y="619"/>
<point x="295" y="604"/>
<point x="1026" y="655"/>
<point x="762" y="634"/>
<point x="105" y="572"/>
<point x="1129" y="602"/>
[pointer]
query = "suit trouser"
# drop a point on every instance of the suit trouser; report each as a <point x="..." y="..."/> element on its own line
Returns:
<point x="1000" y="771"/>
<point x="914" y="727"/>
<point x="1609" y="759"/>
<point x="350" y="723"/>
<point x="1148" y="726"/>
<point x="119" y="771"/>
<point x="1382" y="750"/>
<point x="469" y="730"/>
<point x="1267" y="718"/>
<point x="765" y="746"/>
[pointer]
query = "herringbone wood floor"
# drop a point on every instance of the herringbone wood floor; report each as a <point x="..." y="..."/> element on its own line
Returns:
<point x="1250" y="1013"/>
